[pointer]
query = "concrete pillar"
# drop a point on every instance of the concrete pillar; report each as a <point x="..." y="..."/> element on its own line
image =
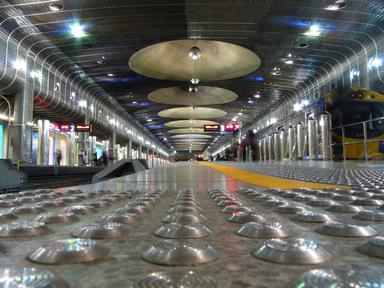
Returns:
<point x="129" y="156"/>
<point x="71" y="149"/>
<point x="21" y="139"/>
<point x="140" y="151"/>
<point x="112" y="145"/>
<point x="43" y="146"/>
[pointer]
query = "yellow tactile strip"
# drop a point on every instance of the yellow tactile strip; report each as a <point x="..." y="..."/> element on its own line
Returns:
<point x="265" y="180"/>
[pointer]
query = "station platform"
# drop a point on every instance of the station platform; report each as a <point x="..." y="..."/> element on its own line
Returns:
<point x="288" y="240"/>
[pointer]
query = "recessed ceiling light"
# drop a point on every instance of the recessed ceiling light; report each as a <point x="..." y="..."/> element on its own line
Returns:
<point x="110" y="74"/>
<point x="56" y="7"/>
<point x="302" y="45"/>
<point x="276" y="71"/>
<point x="195" y="81"/>
<point x="314" y="31"/>
<point x="339" y="4"/>
<point x="257" y="95"/>
<point x="77" y="30"/>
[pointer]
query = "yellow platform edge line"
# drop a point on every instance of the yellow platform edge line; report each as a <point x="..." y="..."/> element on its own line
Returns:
<point x="265" y="180"/>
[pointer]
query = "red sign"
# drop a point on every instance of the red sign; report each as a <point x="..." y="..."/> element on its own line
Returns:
<point x="230" y="127"/>
<point x="83" y="128"/>
<point x="212" y="128"/>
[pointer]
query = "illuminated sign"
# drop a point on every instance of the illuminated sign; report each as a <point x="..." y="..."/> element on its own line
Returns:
<point x="83" y="128"/>
<point x="212" y="128"/>
<point x="230" y="127"/>
<point x="66" y="128"/>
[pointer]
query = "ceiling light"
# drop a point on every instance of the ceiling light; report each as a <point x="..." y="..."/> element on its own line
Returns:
<point x="77" y="30"/>
<point x="375" y="62"/>
<point x="297" y="107"/>
<point x="195" y="81"/>
<point x="257" y="95"/>
<point x="339" y="4"/>
<point x="313" y="31"/>
<point x="288" y="60"/>
<point x="56" y="7"/>
<point x="355" y="73"/>
<point x="276" y="71"/>
<point x="194" y="53"/>
<point x="192" y="89"/>
<point x="149" y="120"/>
<point x="101" y="60"/>
<point x="20" y="65"/>
<point x="305" y="103"/>
<point x="110" y="75"/>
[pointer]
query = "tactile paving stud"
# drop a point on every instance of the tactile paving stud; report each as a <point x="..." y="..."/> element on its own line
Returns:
<point x="373" y="247"/>
<point x="183" y="209"/>
<point x="244" y="217"/>
<point x="186" y="219"/>
<point x="23" y="229"/>
<point x="179" y="231"/>
<point x="7" y="216"/>
<point x="344" y="197"/>
<point x="189" y="279"/>
<point x="69" y="251"/>
<point x="98" y="204"/>
<point x="235" y="208"/>
<point x="370" y="215"/>
<point x="274" y="203"/>
<point x="122" y="218"/>
<point x="57" y="218"/>
<point x="30" y="278"/>
<point x="292" y="251"/>
<point x="311" y="217"/>
<point x="27" y="209"/>
<point x="321" y="202"/>
<point x="343" y="208"/>
<point x="289" y="209"/>
<point x="52" y="203"/>
<point x="267" y="230"/>
<point x="107" y="230"/>
<point x="345" y="230"/>
<point x="345" y="276"/>
<point x="8" y="203"/>
<point x="367" y="202"/>
<point x="80" y="209"/>
<point x="180" y="253"/>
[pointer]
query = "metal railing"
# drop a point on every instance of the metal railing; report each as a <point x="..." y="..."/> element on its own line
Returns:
<point x="360" y="133"/>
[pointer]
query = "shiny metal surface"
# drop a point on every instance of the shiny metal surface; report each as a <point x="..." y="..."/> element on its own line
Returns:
<point x="180" y="253"/>
<point x="7" y="216"/>
<point x="80" y="209"/>
<point x="345" y="230"/>
<point x="186" y="219"/>
<point x="373" y="247"/>
<point x="312" y="217"/>
<point x="69" y="251"/>
<point x="23" y="229"/>
<point x="245" y="217"/>
<point x="27" y="209"/>
<point x="266" y="230"/>
<point x="180" y="231"/>
<point x="30" y="278"/>
<point x="292" y="251"/>
<point x="189" y="279"/>
<point x="57" y="218"/>
<point x="370" y="215"/>
<point x="123" y="218"/>
<point x="108" y="230"/>
<point x="353" y="275"/>
<point x="343" y="208"/>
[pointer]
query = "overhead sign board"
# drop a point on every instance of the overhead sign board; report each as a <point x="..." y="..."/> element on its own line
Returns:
<point x="230" y="127"/>
<point x="212" y="128"/>
<point x="83" y="128"/>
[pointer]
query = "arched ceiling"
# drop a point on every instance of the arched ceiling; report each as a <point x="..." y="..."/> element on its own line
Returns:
<point x="116" y="29"/>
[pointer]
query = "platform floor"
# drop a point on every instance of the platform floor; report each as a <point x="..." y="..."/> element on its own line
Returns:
<point x="235" y="267"/>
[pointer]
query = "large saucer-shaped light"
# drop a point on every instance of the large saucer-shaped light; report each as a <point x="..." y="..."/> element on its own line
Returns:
<point x="189" y="123"/>
<point x="217" y="61"/>
<point x="191" y="136"/>
<point x="186" y="130"/>
<point x="192" y="113"/>
<point x="190" y="143"/>
<point x="203" y="96"/>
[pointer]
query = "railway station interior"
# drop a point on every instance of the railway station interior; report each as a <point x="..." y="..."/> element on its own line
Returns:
<point x="191" y="143"/>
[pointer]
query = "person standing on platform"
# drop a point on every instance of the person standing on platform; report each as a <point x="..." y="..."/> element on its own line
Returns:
<point x="104" y="158"/>
<point x="94" y="159"/>
<point x="58" y="157"/>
